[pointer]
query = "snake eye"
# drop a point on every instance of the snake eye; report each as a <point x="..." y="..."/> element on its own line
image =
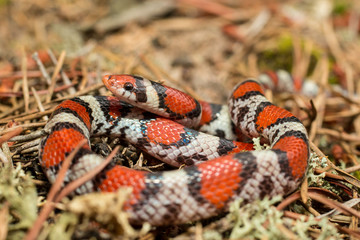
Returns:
<point x="128" y="86"/>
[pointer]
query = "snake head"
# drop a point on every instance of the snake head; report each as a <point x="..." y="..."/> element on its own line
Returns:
<point x="126" y="87"/>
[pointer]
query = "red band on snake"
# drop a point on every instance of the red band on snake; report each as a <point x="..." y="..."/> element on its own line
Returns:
<point x="219" y="172"/>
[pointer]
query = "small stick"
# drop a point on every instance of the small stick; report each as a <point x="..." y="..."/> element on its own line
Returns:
<point x="85" y="77"/>
<point x="43" y="71"/>
<point x="31" y="136"/>
<point x="38" y="102"/>
<point x="334" y="204"/>
<point x="55" y="73"/>
<point x="65" y="78"/>
<point x="33" y="146"/>
<point x="14" y="132"/>
<point x="30" y="116"/>
<point x="82" y="92"/>
<point x="25" y="85"/>
<point x="338" y="135"/>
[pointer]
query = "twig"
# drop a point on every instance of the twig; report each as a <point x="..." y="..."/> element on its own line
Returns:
<point x="43" y="71"/>
<point x="38" y="101"/>
<point x="339" y="135"/>
<point x="53" y="78"/>
<point x="14" y="132"/>
<point x="334" y="204"/>
<point x="30" y="116"/>
<point x="25" y="85"/>
<point x="64" y="76"/>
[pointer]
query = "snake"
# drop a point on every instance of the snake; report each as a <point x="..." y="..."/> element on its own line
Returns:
<point x="212" y="170"/>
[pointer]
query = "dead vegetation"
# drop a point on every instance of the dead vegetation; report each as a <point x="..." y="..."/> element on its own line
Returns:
<point x="55" y="50"/>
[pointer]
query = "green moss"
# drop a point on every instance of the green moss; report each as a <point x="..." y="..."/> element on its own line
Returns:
<point x="3" y="3"/>
<point x="281" y="55"/>
<point x="341" y="7"/>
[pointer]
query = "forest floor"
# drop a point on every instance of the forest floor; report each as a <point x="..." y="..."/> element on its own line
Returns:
<point x="55" y="50"/>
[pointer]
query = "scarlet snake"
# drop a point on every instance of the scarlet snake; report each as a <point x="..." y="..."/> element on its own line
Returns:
<point x="195" y="192"/>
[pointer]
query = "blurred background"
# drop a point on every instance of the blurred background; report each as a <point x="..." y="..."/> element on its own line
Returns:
<point x="206" y="44"/>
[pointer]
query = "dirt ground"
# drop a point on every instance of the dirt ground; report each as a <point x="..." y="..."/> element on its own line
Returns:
<point x="54" y="50"/>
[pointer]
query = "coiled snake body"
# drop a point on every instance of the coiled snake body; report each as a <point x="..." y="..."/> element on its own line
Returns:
<point x="219" y="170"/>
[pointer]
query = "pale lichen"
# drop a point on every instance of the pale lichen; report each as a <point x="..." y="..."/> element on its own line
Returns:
<point x="261" y="220"/>
<point x="18" y="193"/>
<point x="106" y="209"/>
